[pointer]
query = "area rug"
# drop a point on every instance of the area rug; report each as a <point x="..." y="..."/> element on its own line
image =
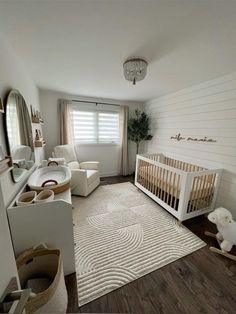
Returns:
<point x="121" y="235"/>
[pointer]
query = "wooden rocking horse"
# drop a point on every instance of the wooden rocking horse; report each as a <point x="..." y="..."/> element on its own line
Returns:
<point x="226" y="236"/>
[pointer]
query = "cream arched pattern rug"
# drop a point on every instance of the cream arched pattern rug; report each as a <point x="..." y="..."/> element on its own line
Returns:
<point x="121" y="235"/>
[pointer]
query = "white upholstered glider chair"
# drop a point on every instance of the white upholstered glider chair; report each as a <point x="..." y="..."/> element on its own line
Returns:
<point x="84" y="176"/>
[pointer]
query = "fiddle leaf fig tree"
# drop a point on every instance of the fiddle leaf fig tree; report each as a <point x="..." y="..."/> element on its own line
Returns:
<point x="138" y="128"/>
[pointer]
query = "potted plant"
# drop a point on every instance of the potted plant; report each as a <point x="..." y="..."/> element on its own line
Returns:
<point x="138" y="128"/>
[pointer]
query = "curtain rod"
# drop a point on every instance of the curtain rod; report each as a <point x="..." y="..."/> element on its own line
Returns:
<point x="95" y="102"/>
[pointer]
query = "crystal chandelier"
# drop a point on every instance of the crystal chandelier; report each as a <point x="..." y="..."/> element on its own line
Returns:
<point x="135" y="69"/>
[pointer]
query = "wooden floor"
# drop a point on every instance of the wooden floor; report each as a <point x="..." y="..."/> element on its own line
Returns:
<point x="202" y="282"/>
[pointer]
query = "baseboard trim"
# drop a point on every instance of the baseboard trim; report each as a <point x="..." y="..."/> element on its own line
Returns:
<point x="112" y="174"/>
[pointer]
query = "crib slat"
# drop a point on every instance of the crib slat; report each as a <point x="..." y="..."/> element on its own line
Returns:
<point x="191" y="195"/>
<point x="148" y="183"/>
<point x="208" y="190"/>
<point x="138" y="174"/>
<point x="176" y="192"/>
<point x="153" y="179"/>
<point x="184" y="166"/>
<point x="211" y="192"/>
<point x="169" y="189"/>
<point x="187" y="167"/>
<point x="138" y="169"/>
<point x="146" y="174"/>
<point x="157" y="179"/>
<point x="201" y="192"/>
<point x="148" y="170"/>
<point x="205" y="191"/>
<point x="149" y="176"/>
<point x="163" y="183"/>
<point x="166" y="186"/>
<point x="172" y="189"/>
<point x="159" y="182"/>
<point x="197" y="192"/>
<point x="142" y="172"/>
<point x="194" y="194"/>
<point x="173" y="163"/>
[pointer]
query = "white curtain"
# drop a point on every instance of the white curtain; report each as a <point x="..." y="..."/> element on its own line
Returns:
<point x="66" y="127"/>
<point x="124" y="155"/>
<point x="25" y="127"/>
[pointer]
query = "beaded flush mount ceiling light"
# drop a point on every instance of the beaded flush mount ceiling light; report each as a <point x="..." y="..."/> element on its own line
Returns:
<point x="135" y="69"/>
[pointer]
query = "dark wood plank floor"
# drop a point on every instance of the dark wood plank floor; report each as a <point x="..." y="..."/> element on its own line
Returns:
<point x="202" y="282"/>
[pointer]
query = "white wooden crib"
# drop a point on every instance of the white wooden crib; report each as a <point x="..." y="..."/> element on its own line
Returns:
<point x="183" y="189"/>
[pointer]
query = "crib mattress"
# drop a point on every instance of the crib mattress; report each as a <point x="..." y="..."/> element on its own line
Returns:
<point x="162" y="182"/>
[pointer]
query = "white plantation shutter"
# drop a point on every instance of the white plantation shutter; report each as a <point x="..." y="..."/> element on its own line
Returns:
<point x="95" y="126"/>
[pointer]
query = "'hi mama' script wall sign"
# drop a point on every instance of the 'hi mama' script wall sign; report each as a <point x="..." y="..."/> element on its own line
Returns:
<point x="204" y="139"/>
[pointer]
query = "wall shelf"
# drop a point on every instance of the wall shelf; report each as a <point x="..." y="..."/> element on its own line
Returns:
<point x="39" y="143"/>
<point x="35" y="116"/>
<point x="40" y="122"/>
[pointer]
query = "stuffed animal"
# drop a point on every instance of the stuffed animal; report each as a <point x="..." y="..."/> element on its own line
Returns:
<point x="226" y="226"/>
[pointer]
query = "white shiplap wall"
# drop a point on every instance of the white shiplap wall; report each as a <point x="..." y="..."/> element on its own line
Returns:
<point x="208" y="109"/>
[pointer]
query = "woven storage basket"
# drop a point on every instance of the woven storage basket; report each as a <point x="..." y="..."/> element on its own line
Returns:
<point x="44" y="262"/>
<point x="56" y="189"/>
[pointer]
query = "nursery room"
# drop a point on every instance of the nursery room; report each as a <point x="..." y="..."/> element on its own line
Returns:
<point x="118" y="156"/>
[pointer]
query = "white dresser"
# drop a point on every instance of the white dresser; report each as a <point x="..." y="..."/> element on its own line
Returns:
<point x="50" y="223"/>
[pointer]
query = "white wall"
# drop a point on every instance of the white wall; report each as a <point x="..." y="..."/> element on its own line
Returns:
<point x="13" y="75"/>
<point x="107" y="155"/>
<point x="208" y="109"/>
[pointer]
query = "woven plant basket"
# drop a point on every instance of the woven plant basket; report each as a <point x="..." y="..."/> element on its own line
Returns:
<point x="44" y="262"/>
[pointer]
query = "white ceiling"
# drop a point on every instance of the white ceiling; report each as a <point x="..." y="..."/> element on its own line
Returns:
<point x="79" y="46"/>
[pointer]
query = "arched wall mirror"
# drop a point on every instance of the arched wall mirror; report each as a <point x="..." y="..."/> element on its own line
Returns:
<point x="19" y="135"/>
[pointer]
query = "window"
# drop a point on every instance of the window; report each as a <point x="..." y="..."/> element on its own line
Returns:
<point x="13" y="125"/>
<point x="95" y="126"/>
